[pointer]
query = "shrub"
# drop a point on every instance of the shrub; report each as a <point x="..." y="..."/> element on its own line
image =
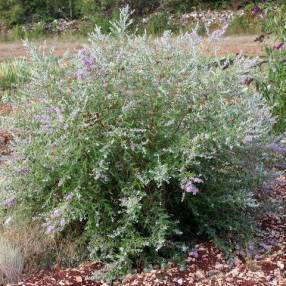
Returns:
<point x="158" y="23"/>
<point x="11" y="12"/>
<point x="136" y="145"/>
<point x="11" y="262"/>
<point x="245" y="24"/>
<point x="273" y="81"/>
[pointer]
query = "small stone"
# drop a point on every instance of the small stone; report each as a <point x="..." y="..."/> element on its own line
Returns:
<point x="213" y="272"/>
<point x="219" y="266"/>
<point x="199" y="274"/>
<point x="78" y="279"/>
<point x="234" y="272"/>
<point x="280" y="265"/>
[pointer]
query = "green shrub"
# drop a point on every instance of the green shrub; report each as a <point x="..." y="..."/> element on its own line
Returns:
<point x="136" y="145"/>
<point x="157" y="23"/>
<point x="273" y="81"/>
<point x="17" y="32"/>
<point x="37" y="31"/>
<point x="11" y="12"/>
<point x="245" y="24"/>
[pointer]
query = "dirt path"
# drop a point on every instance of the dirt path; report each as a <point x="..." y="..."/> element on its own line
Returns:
<point x="227" y="45"/>
<point x="244" y="44"/>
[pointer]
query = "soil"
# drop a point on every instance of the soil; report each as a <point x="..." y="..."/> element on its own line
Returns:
<point x="17" y="50"/>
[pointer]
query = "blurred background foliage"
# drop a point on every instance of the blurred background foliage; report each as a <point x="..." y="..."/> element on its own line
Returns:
<point x="15" y="12"/>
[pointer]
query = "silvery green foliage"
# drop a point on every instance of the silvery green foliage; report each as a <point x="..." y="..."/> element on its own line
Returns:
<point x="137" y="141"/>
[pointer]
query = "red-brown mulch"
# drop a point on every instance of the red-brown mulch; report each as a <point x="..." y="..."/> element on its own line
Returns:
<point x="70" y="276"/>
<point x="5" y="109"/>
<point x="5" y="136"/>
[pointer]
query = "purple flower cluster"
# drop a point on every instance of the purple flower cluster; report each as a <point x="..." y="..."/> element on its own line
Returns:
<point x="279" y="46"/>
<point x="189" y="187"/>
<point x="255" y="249"/>
<point x="10" y="202"/>
<point x="87" y="61"/>
<point x="48" y="117"/>
<point x="55" y="222"/>
<point x="256" y="10"/>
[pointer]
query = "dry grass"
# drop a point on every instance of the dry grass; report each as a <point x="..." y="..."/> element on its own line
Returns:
<point x="11" y="262"/>
<point x="40" y="250"/>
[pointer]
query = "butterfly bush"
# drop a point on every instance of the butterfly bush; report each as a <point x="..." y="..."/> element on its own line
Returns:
<point x="137" y="144"/>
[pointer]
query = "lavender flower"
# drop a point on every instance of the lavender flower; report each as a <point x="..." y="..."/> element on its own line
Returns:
<point x="265" y="246"/>
<point x="256" y="10"/>
<point x="81" y="74"/>
<point x="189" y="187"/>
<point x="248" y="139"/>
<point x="50" y="229"/>
<point x="216" y="35"/>
<point x="194" y="254"/>
<point x="56" y="213"/>
<point x="87" y="64"/>
<point x="62" y="222"/>
<point x="9" y="203"/>
<point x="48" y="118"/>
<point x="279" y="46"/>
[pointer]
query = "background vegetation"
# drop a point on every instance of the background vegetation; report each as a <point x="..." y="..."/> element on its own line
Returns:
<point x="31" y="19"/>
<point x="23" y="11"/>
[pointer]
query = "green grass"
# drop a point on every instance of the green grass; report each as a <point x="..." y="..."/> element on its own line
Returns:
<point x="13" y="73"/>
